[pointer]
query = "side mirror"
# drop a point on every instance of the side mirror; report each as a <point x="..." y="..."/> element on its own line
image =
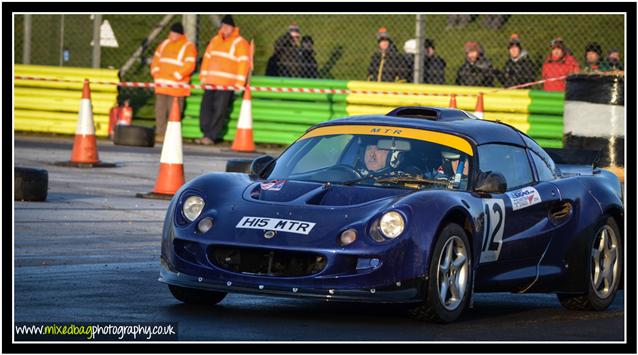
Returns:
<point x="260" y="164"/>
<point x="491" y="183"/>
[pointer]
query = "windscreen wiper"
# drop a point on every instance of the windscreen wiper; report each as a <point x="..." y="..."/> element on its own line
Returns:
<point x="413" y="179"/>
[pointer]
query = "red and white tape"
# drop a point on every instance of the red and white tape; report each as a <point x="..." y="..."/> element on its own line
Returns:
<point x="240" y="88"/>
<point x="131" y="84"/>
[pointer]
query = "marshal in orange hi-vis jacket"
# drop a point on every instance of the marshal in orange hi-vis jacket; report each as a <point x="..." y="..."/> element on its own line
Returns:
<point x="173" y="63"/>
<point x="226" y="61"/>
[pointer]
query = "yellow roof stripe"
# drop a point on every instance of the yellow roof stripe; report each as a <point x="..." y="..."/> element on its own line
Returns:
<point x="445" y="139"/>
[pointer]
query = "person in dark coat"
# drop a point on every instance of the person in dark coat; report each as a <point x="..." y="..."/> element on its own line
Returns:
<point x="286" y="59"/>
<point x="613" y="60"/>
<point x="387" y="64"/>
<point x="519" y="68"/>
<point x="434" y="66"/>
<point x="309" y="68"/>
<point x="477" y="69"/>
<point x="593" y="53"/>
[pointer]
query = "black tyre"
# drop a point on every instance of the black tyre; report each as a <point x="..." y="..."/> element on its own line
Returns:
<point x="604" y="270"/>
<point x="195" y="296"/>
<point x="137" y="136"/>
<point x="238" y="165"/>
<point x="30" y="184"/>
<point x="450" y="280"/>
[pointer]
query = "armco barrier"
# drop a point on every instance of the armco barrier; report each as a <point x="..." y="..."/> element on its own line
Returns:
<point x="281" y="117"/>
<point x="52" y="106"/>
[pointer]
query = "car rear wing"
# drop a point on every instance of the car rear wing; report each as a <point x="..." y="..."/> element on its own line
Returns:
<point x="574" y="156"/>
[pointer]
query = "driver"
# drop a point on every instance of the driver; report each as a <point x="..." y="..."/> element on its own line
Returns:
<point x="375" y="158"/>
<point x="381" y="162"/>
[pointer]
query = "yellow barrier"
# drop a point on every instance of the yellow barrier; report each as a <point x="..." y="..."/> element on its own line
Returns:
<point x="518" y="120"/>
<point x="77" y="86"/>
<point x="491" y="103"/>
<point x="62" y="94"/>
<point x="58" y="117"/>
<point x="436" y="89"/>
<point x="45" y="125"/>
<point x="62" y="72"/>
<point x="52" y="106"/>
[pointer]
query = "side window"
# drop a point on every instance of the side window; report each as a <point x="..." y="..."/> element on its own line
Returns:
<point x="545" y="172"/>
<point x="509" y="160"/>
<point x="324" y="154"/>
<point x="546" y="162"/>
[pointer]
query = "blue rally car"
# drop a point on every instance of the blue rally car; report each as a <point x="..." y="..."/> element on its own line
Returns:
<point x="422" y="205"/>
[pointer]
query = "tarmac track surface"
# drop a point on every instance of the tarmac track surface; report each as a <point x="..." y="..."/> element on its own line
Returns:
<point x="90" y="253"/>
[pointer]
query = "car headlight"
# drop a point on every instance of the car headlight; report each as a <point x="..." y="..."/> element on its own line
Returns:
<point x="391" y="224"/>
<point x="192" y="207"/>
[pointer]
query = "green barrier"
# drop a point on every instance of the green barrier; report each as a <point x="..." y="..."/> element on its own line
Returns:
<point x="546" y="95"/>
<point x="268" y="81"/>
<point x="549" y="143"/>
<point x="545" y="119"/>
<point x="549" y="107"/>
<point x="298" y="108"/>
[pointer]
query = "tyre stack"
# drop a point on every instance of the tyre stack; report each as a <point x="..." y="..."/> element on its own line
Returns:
<point x="595" y="118"/>
<point x="30" y="184"/>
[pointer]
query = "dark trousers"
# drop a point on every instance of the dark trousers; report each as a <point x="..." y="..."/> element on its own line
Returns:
<point x="163" y="104"/>
<point x="214" y="112"/>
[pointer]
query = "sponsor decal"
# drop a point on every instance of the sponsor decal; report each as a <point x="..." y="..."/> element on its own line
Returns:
<point x="274" y="185"/>
<point x="276" y="224"/>
<point x="523" y="198"/>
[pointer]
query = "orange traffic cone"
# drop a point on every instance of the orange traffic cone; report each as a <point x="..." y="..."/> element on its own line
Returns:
<point x="478" y="112"/>
<point x="244" y="136"/>
<point x="453" y="101"/>
<point x="84" y="152"/>
<point x="171" y="171"/>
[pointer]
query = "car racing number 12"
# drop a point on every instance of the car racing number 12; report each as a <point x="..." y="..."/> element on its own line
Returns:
<point x="493" y="232"/>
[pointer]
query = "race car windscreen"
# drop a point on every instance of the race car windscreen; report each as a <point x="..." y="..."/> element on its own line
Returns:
<point x="375" y="160"/>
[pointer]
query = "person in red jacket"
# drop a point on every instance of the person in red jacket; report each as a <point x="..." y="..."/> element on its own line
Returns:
<point x="173" y="63"/>
<point x="558" y="63"/>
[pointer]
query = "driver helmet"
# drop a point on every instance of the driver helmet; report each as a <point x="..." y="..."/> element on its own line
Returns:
<point x="448" y="155"/>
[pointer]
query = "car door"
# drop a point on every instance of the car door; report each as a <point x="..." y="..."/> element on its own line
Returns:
<point x="516" y="228"/>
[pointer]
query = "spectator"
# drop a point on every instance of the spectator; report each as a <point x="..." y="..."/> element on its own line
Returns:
<point x="495" y="21"/>
<point x="226" y="62"/>
<point x="288" y="54"/>
<point x="459" y="21"/>
<point x="387" y="64"/>
<point x="519" y="68"/>
<point x="434" y="66"/>
<point x="558" y="64"/>
<point x="409" y="47"/>
<point x="309" y="68"/>
<point x="593" y="52"/>
<point x="272" y="67"/>
<point x="613" y="60"/>
<point x="173" y="63"/>
<point x="477" y="69"/>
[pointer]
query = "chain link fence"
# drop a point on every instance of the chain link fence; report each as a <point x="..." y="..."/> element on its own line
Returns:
<point x="330" y="46"/>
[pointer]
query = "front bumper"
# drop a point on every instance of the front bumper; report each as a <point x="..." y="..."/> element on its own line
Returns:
<point x="408" y="291"/>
